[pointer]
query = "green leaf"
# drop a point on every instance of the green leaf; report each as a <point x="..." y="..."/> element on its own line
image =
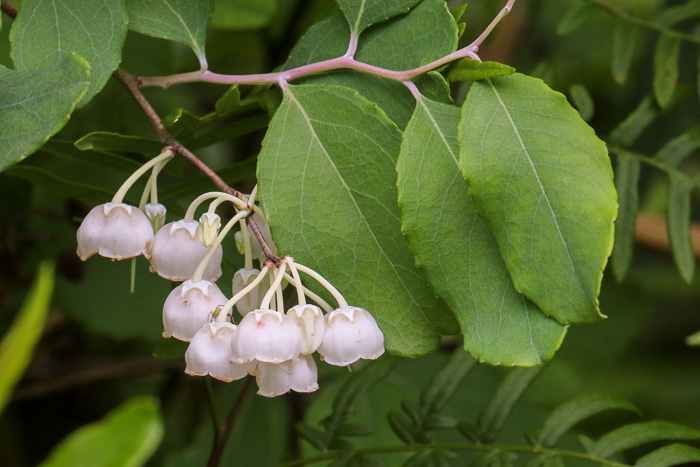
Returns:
<point x="675" y="454"/>
<point x="627" y="132"/>
<point x="583" y="101"/>
<point x="575" y="17"/>
<point x="547" y="196"/>
<point x="233" y="174"/>
<point x="680" y="148"/>
<point x="674" y="15"/>
<point x="127" y="436"/>
<point x="18" y="344"/>
<point x="401" y="425"/>
<point x="170" y="349"/>
<point x="178" y="20"/>
<point x="668" y="49"/>
<point x="678" y="225"/>
<point x="36" y="104"/>
<point x="47" y="31"/>
<point x="637" y="434"/>
<point x="444" y="383"/>
<point x="467" y="69"/>
<point x="626" y="182"/>
<point x="363" y="13"/>
<point x="67" y="150"/>
<point x="230" y="100"/>
<point x="88" y="193"/>
<point x="107" y="141"/>
<point x="576" y="410"/>
<point x="355" y="241"/>
<point x="458" y="252"/>
<point x="625" y="37"/>
<point x="495" y="412"/>
<point x="693" y="339"/>
<point x="242" y="14"/>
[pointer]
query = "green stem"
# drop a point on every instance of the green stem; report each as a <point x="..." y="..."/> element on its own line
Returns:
<point x="454" y="447"/>
<point x="189" y="215"/>
<point x="246" y="245"/>
<point x="327" y="285"/>
<point x="653" y="162"/>
<point x="629" y="17"/>
<point x="229" y="305"/>
<point x="212" y="248"/>
<point x="265" y="305"/>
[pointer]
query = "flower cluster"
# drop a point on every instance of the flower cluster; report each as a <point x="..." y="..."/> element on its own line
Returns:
<point x="272" y="344"/>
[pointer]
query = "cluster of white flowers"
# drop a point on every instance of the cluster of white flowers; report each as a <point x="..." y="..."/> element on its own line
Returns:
<point x="274" y="346"/>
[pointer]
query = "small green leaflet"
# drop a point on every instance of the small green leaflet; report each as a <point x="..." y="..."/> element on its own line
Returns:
<point x="243" y="14"/>
<point x="668" y="49"/>
<point x="17" y="346"/>
<point x="327" y="183"/>
<point x="675" y="454"/>
<point x="36" y="104"/>
<point x="637" y="434"/>
<point x="543" y="182"/>
<point x="178" y="20"/>
<point x="467" y="69"/>
<point x="363" y="13"/>
<point x="458" y="252"/>
<point x="678" y="226"/>
<point x="627" y="172"/>
<point x="127" y="436"/>
<point x="625" y="37"/>
<point x="46" y="31"/>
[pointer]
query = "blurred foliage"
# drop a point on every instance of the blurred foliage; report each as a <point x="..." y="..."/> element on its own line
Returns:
<point x="97" y="345"/>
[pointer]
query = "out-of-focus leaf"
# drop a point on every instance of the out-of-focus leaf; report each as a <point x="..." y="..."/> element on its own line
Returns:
<point x="576" y="410"/>
<point x="668" y="49"/>
<point x="468" y="69"/>
<point x="678" y="225"/>
<point x="514" y="171"/>
<point x="242" y="14"/>
<point x="170" y="349"/>
<point x="106" y="141"/>
<point x="626" y="182"/>
<point x="693" y="339"/>
<point x="582" y="100"/>
<point x="232" y="174"/>
<point x="495" y="412"/>
<point x="457" y="251"/>
<point x="127" y="436"/>
<point x="546" y="72"/>
<point x="680" y="148"/>
<point x="637" y="434"/>
<point x="675" y="14"/>
<point x="625" y="37"/>
<point x="84" y="192"/>
<point x="575" y="17"/>
<point x="68" y="151"/>
<point x="178" y="20"/>
<point x="47" y="31"/>
<point x="363" y="13"/>
<point x="36" y="104"/>
<point x="229" y="101"/>
<point x="634" y="125"/>
<point x="675" y="454"/>
<point x="356" y="240"/>
<point x="17" y="346"/>
<point x="444" y="383"/>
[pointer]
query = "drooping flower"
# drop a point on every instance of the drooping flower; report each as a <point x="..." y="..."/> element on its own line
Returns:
<point x="209" y="353"/>
<point x="114" y="230"/>
<point x="299" y="374"/>
<point x="177" y="251"/>
<point x="188" y="307"/>
<point x="251" y="301"/>
<point x="310" y="320"/>
<point x="351" y="334"/>
<point x="266" y="336"/>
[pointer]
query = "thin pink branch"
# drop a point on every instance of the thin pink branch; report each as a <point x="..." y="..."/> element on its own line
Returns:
<point x="347" y="61"/>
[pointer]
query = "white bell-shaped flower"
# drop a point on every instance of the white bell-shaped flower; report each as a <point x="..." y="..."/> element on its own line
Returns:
<point x="209" y="353"/>
<point x="310" y="320"/>
<point x="155" y="214"/>
<point x="251" y="301"/>
<point x="114" y="230"/>
<point x="177" y="251"/>
<point x="266" y="336"/>
<point x="351" y="334"/>
<point x="188" y="307"/>
<point x="299" y="374"/>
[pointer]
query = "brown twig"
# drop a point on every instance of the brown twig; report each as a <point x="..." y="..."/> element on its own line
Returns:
<point x="10" y="9"/>
<point x="132" y="83"/>
<point x="223" y="432"/>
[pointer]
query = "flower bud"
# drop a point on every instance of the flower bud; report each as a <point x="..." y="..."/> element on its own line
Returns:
<point x="266" y="336"/>
<point x="209" y="353"/>
<point x="210" y="224"/>
<point x="310" y="320"/>
<point x="177" y="251"/>
<point x="251" y="301"/>
<point x="351" y="333"/>
<point x="188" y="307"/>
<point x="114" y="230"/>
<point x="155" y="214"/>
<point x="299" y="374"/>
